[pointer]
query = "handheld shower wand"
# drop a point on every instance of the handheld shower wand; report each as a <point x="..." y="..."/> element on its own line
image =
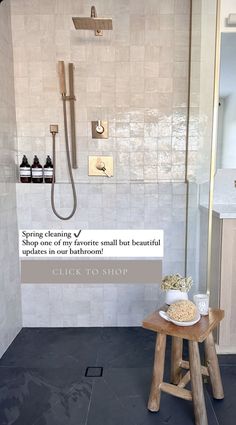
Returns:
<point x="54" y="131"/>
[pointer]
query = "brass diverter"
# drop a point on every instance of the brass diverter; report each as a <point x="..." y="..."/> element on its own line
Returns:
<point x="99" y="129"/>
<point x="100" y="166"/>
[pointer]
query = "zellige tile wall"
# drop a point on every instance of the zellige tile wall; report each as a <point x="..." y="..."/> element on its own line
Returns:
<point x="135" y="77"/>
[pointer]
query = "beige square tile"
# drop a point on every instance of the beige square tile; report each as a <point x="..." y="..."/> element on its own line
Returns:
<point x="137" y="23"/>
<point x="137" y="85"/>
<point x="152" y="7"/>
<point x="180" y="69"/>
<point x="166" y="69"/>
<point x="122" y="53"/>
<point x="151" y="69"/>
<point x="137" y="37"/>
<point x="137" y="99"/>
<point x="137" y="53"/>
<point x="136" y="129"/>
<point x="152" y="22"/>
<point x="122" y="84"/>
<point x="93" y="84"/>
<point x="136" y="69"/>
<point x="182" y="6"/>
<point x="167" y="6"/>
<point x="152" y="53"/>
<point x="165" y="85"/>
<point x="151" y="84"/>
<point x="122" y="69"/>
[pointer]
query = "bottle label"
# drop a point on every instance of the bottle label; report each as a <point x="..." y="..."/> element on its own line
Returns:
<point x="48" y="172"/>
<point x="25" y="172"/>
<point x="37" y="172"/>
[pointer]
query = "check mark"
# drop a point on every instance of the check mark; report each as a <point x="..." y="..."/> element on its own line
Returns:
<point x="77" y="234"/>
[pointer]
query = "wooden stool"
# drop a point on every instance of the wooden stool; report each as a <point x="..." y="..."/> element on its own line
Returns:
<point x="201" y="331"/>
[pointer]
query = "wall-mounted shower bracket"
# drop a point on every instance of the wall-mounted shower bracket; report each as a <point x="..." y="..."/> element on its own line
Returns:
<point x="99" y="129"/>
<point x="100" y="166"/>
<point x="53" y="128"/>
<point x="68" y="97"/>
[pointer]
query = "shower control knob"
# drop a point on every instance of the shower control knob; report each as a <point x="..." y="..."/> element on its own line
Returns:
<point x="99" y="128"/>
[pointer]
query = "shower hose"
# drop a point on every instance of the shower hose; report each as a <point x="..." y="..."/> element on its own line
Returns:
<point x="69" y="168"/>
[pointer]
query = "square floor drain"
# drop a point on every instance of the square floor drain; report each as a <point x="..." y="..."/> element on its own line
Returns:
<point x="94" y="372"/>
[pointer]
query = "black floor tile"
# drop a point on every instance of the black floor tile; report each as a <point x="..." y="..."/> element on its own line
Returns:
<point x="26" y="394"/>
<point x="173" y="411"/>
<point x="121" y="398"/>
<point x="55" y="347"/>
<point x="126" y="347"/>
<point x="42" y="380"/>
<point x="106" y="408"/>
<point x="225" y="409"/>
<point x="227" y="359"/>
<point x="71" y="409"/>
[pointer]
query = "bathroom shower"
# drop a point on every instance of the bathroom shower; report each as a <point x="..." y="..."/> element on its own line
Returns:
<point x="72" y="163"/>
<point x="81" y="23"/>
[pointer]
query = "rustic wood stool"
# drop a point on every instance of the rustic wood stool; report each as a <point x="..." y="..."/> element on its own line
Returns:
<point x="201" y="331"/>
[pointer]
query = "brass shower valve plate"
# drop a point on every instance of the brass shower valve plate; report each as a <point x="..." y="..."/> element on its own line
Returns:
<point x="99" y="135"/>
<point x="95" y="163"/>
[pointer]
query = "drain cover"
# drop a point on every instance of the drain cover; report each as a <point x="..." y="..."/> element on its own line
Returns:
<point x="94" y="372"/>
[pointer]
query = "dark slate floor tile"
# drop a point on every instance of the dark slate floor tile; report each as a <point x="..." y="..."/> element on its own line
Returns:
<point x="121" y="398"/>
<point x="42" y="380"/>
<point x="226" y="409"/>
<point x="127" y="347"/>
<point x="25" y="394"/>
<point x="128" y="381"/>
<point x="72" y="409"/>
<point x="106" y="408"/>
<point x="173" y="411"/>
<point x="53" y="347"/>
<point x="227" y="359"/>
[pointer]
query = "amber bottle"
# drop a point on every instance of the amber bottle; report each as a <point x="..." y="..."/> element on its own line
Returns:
<point x="48" y="170"/>
<point x="37" y="171"/>
<point x="25" y="171"/>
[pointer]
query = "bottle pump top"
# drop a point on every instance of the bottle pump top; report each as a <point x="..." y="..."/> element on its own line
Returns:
<point x="48" y="160"/>
<point x="24" y="160"/>
<point x="25" y="171"/>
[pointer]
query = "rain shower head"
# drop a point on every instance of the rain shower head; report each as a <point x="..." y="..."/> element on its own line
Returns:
<point x="93" y="23"/>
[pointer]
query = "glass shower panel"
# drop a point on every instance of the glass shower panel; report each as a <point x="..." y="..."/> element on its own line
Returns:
<point x="203" y="38"/>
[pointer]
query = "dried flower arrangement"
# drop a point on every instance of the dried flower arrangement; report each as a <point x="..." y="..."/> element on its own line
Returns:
<point x="176" y="282"/>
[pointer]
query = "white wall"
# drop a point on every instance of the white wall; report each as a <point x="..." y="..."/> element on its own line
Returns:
<point x="229" y="132"/>
<point x="227" y="7"/>
<point x="10" y="306"/>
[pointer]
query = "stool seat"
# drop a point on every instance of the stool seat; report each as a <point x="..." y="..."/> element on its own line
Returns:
<point x="183" y="371"/>
<point x="197" y="332"/>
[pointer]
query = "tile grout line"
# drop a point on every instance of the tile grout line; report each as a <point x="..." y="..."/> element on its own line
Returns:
<point x="209" y="398"/>
<point x="116" y="396"/>
<point x="90" y="401"/>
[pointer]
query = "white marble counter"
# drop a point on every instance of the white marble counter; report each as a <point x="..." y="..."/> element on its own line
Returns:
<point x="222" y="211"/>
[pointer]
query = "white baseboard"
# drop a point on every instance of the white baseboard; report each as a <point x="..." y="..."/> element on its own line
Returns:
<point x="225" y="350"/>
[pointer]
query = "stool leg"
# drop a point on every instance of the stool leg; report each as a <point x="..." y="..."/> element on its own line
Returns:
<point x="197" y="386"/>
<point x="176" y="358"/>
<point x="213" y="367"/>
<point x="158" y="372"/>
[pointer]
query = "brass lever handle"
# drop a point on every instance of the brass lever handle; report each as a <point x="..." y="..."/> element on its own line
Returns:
<point x="100" y="165"/>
